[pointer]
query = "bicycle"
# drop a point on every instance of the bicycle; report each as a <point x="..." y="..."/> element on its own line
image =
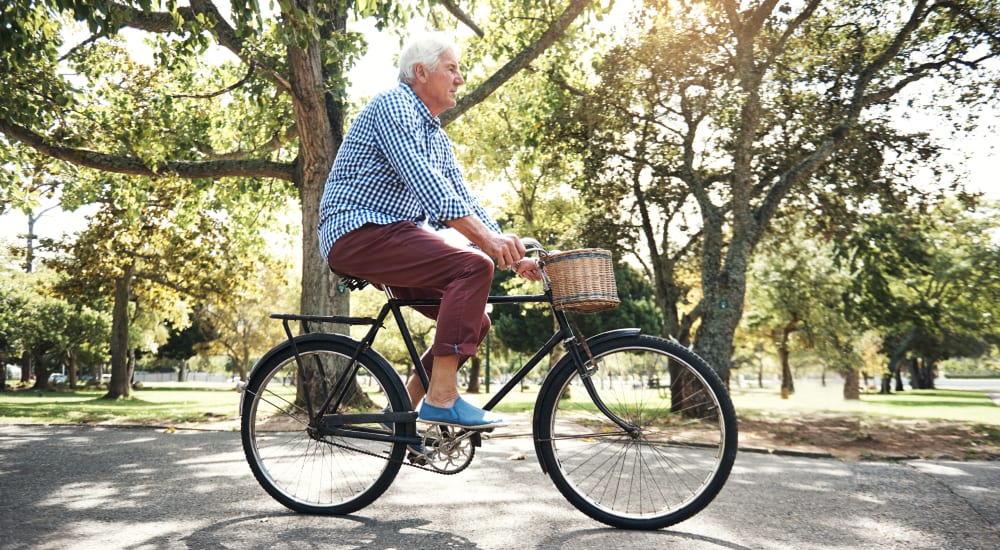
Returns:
<point x="327" y="423"/>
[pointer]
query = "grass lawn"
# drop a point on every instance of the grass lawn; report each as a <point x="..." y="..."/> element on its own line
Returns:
<point x="156" y="403"/>
<point x="174" y="403"/>
<point x="811" y="397"/>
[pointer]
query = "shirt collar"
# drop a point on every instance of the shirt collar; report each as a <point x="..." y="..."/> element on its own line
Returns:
<point x="425" y="113"/>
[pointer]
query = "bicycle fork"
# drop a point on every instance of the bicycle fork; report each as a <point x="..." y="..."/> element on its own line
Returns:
<point x="586" y="368"/>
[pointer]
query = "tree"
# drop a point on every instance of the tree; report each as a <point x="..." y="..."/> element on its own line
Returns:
<point x="929" y="284"/>
<point x="151" y="247"/>
<point x="291" y="100"/>
<point x="242" y="328"/>
<point x="181" y="345"/>
<point x="717" y="116"/>
<point x="790" y="282"/>
<point x="87" y="332"/>
<point x="47" y="328"/>
<point x="12" y="306"/>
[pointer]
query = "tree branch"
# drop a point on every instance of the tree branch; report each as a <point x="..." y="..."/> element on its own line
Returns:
<point x="277" y="141"/>
<point x="134" y="166"/>
<point x="225" y="35"/>
<point x="462" y="16"/>
<point x="225" y="90"/>
<point x="556" y="29"/>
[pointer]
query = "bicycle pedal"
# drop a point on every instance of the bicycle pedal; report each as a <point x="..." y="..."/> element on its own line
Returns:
<point x="417" y="458"/>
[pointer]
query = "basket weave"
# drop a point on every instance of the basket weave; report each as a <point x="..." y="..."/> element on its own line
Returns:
<point x="582" y="280"/>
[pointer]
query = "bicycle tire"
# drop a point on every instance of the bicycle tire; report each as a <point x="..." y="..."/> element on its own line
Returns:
<point x="305" y="471"/>
<point x="662" y="474"/>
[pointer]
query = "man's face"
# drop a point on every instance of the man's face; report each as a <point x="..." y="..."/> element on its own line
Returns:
<point x="438" y="88"/>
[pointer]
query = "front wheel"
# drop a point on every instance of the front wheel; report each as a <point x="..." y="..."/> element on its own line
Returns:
<point x="677" y="447"/>
<point x="297" y="462"/>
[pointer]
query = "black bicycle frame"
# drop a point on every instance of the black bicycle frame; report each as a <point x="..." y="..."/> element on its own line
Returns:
<point x="394" y="305"/>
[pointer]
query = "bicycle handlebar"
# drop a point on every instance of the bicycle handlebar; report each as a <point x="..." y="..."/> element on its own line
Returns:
<point x="532" y="245"/>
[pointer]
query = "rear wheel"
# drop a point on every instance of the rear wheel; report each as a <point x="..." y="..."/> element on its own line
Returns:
<point x="295" y="463"/>
<point x="679" y="448"/>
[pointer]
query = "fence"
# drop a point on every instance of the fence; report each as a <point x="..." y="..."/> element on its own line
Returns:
<point x="144" y="376"/>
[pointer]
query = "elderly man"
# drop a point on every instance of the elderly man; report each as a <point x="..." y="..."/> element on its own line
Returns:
<point x="395" y="174"/>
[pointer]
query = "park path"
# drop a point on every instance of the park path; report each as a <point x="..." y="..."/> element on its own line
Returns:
<point x="108" y="488"/>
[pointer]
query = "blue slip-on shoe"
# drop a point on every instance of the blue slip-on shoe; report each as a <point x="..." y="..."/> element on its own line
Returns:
<point x="462" y="414"/>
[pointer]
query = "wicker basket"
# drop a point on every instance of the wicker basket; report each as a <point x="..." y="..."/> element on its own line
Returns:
<point x="582" y="280"/>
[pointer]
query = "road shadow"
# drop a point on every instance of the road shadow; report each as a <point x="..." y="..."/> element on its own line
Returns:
<point x="291" y="530"/>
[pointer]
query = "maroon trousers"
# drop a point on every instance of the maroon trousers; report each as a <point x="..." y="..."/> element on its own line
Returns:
<point x="417" y="263"/>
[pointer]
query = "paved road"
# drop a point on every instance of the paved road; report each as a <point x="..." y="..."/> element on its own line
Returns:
<point x="109" y="488"/>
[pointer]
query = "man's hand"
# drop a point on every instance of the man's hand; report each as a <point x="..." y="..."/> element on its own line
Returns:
<point x="505" y="249"/>
<point x="528" y="268"/>
<point x="509" y="251"/>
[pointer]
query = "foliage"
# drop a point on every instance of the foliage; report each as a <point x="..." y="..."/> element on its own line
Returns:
<point x="152" y="247"/>
<point x="716" y="118"/>
<point x="929" y="283"/>
<point x="241" y="328"/>
<point x="225" y="107"/>
<point x="274" y="107"/>
<point x="922" y="284"/>
<point x="50" y="328"/>
<point x="181" y="343"/>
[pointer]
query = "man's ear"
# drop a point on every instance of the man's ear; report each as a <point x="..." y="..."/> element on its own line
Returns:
<point x="419" y="71"/>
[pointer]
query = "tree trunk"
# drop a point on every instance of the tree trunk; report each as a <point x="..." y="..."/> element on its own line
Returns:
<point x="319" y="376"/>
<point x="917" y="381"/>
<point x="319" y="118"/>
<point x="714" y="338"/>
<point x="851" y="390"/>
<point x="130" y="373"/>
<point x="119" y="386"/>
<point x="899" y="378"/>
<point x="886" y="388"/>
<point x="927" y="370"/>
<point x="723" y="282"/>
<point x="686" y="394"/>
<point x="244" y="365"/>
<point x="26" y="364"/>
<point x="787" y="383"/>
<point x="74" y="356"/>
<point x="922" y="374"/>
<point x="41" y="372"/>
<point x="474" y="369"/>
<point x="898" y="356"/>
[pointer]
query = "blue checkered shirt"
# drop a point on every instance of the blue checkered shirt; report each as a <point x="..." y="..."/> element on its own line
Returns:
<point x="396" y="164"/>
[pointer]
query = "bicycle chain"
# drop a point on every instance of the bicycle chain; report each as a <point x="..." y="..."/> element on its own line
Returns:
<point x="405" y="461"/>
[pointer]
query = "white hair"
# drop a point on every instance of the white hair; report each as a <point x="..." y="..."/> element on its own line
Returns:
<point x="426" y="50"/>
